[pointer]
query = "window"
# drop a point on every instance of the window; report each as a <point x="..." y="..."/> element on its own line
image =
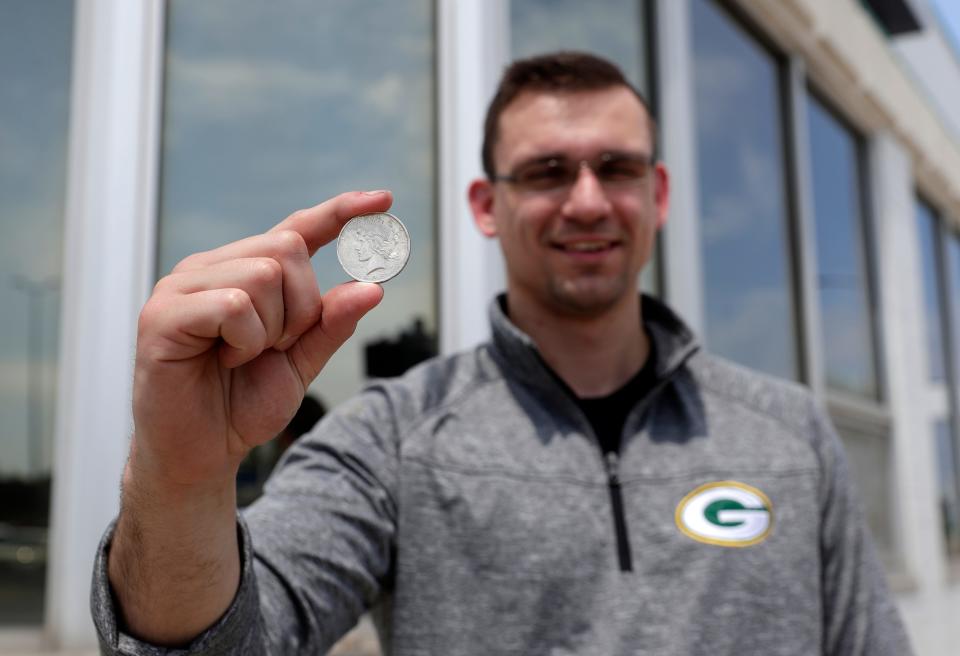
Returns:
<point x="952" y="295"/>
<point x="845" y="298"/>
<point x="948" y="485"/>
<point x="949" y="445"/>
<point x="751" y="254"/>
<point x="613" y="29"/>
<point x="845" y="293"/>
<point x="35" y="56"/>
<point x="269" y="111"/>
<point x="932" y="290"/>
<point x="750" y="307"/>
<point x="940" y="259"/>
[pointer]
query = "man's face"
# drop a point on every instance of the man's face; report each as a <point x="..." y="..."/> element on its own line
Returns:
<point x="575" y="249"/>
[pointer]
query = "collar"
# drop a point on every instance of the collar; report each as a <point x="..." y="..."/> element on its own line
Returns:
<point x="673" y="340"/>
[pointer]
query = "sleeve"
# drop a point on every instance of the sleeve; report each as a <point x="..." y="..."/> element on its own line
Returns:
<point x="323" y="532"/>
<point x="317" y="548"/>
<point x="860" y="616"/>
<point x="238" y="631"/>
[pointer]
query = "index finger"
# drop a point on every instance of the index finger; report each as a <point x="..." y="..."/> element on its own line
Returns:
<point x="320" y="224"/>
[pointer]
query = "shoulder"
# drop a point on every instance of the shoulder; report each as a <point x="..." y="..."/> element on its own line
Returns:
<point x="745" y="393"/>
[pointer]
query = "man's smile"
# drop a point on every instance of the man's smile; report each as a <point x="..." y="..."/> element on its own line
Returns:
<point x="588" y="249"/>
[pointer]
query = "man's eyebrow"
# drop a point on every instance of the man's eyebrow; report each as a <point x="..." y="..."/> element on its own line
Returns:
<point x="612" y="152"/>
<point x="541" y="159"/>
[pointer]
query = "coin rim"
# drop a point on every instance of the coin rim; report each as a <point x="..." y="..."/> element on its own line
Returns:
<point x="405" y="232"/>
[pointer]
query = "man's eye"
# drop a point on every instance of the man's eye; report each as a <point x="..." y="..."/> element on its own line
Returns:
<point x="625" y="170"/>
<point x="542" y="175"/>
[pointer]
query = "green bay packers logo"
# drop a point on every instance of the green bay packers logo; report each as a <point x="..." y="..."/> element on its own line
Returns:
<point x="725" y="513"/>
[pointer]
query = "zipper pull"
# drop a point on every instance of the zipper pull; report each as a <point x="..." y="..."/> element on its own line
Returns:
<point x="613" y="467"/>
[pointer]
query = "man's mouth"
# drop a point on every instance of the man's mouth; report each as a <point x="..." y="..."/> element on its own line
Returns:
<point x="586" y="245"/>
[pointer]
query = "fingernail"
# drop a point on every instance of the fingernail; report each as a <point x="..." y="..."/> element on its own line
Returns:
<point x="375" y="193"/>
<point x="283" y="342"/>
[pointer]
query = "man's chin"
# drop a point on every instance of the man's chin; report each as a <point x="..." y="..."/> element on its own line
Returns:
<point x="588" y="300"/>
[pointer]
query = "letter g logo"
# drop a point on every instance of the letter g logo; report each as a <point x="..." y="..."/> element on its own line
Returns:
<point x="726" y="514"/>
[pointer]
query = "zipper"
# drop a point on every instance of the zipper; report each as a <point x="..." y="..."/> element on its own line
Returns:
<point x="619" y="519"/>
<point x="612" y="458"/>
<point x="612" y="464"/>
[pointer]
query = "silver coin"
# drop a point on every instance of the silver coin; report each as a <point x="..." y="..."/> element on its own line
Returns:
<point x="373" y="247"/>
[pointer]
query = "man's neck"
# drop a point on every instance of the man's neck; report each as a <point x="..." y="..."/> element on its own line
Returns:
<point x="594" y="355"/>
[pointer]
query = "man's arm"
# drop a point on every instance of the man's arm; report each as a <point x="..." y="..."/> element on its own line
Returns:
<point x="860" y="616"/>
<point x="174" y="563"/>
<point x="226" y="347"/>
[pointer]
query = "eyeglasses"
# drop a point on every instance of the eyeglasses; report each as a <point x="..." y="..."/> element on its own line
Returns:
<point x="547" y="174"/>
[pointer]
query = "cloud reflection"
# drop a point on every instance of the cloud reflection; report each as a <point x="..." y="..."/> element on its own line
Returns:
<point x="295" y="107"/>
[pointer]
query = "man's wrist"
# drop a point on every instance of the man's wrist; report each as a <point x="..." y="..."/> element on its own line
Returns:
<point x="159" y="478"/>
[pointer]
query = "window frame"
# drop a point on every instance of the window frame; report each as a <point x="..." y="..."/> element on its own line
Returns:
<point x="949" y="387"/>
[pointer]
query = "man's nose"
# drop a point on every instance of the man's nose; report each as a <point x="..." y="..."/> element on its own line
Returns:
<point x="587" y="200"/>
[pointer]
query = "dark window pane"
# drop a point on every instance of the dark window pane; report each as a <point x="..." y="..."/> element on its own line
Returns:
<point x="948" y="485"/>
<point x="35" y="53"/>
<point x="953" y="300"/>
<point x="844" y="288"/>
<point x="927" y="226"/>
<point x="868" y="455"/>
<point x="750" y="315"/>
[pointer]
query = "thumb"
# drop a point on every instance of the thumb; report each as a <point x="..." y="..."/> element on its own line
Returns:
<point x="343" y="306"/>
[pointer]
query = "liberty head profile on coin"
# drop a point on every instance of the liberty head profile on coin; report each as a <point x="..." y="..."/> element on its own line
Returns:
<point x="373" y="247"/>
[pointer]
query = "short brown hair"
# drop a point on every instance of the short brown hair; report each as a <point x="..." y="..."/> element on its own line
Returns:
<point x="564" y="71"/>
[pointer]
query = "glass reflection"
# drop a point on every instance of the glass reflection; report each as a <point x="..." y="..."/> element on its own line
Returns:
<point x="953" y="302"/>
<point x="927" y="226"/>
<point x="948" y="486"/>
<point x="35" y="54"/>
<point x="748" y="294"/>
<point x="846" y="310"/>
<point x="268" y="111"/>
<point x="614" y="29"/>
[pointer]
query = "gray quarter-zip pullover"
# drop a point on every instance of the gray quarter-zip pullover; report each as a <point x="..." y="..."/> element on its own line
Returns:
<point x="467" y="504"/>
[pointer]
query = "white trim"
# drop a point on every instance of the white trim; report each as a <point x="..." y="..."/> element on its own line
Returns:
<point x="914" y="520"/>
<point x="473" y="37"/>
<point x="148" y="166"/>
<point x="110" y="193"/>
<point x="683" y="275"/>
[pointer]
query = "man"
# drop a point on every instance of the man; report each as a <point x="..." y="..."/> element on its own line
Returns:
<point x="588" y="482"/>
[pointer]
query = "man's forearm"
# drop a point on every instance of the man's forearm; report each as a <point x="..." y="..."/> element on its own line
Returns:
<point x="174" y="562"/>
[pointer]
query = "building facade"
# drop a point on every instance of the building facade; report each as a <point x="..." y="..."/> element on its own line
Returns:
<point x="814" y="231"/>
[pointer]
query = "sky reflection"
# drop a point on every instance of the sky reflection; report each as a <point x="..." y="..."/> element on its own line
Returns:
<point x="267" y="112"/>
<point x="35" y="55"/>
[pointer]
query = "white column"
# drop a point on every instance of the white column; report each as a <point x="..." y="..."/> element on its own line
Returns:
<point x="473" y="45"/>
<point x="903" y="344"/>
<point x="107" y="269"/>
<point x="683" y="275"/>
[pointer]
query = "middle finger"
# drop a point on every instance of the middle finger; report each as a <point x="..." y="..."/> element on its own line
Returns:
<point x="301" y="294"/>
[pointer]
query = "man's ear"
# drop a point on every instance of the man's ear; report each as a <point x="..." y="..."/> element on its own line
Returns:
<point x="480" y="195"/>
<point x="661" y="193"/>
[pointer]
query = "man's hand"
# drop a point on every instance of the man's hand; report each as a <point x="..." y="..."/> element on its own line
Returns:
<point x="230" y="340"/>
<point x="226" y="347"/>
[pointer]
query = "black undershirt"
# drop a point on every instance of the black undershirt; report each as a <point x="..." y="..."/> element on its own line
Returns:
<point x="607" y="414"/>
